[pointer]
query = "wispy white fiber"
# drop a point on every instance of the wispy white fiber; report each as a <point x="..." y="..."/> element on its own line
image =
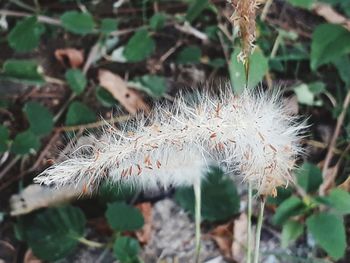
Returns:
<point x="251" y="135"/>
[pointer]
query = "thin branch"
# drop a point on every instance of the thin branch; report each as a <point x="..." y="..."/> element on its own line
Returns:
<point x="41" y="18"/>
<point x="327" y="178"/>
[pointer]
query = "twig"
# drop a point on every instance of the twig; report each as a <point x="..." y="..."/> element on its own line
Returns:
<point x="328" y="180"/>
<point x="94" y="124"/>
<point x="266" y="9"/>
<point x="9" y="166"/>
<point x="330" y="15"/>
<point x="41" y="18"/>
<point x="188" y="29"/>
<point x="258" y="231"/>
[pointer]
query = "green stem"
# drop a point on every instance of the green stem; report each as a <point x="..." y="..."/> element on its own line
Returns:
<point x="197" y="196"/>
<point x="90" y="243"/>
<point x="258" y="231"/>
<point x="249" y="231"/>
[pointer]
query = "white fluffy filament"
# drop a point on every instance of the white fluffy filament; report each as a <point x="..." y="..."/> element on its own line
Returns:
<point x="251" y="134"/>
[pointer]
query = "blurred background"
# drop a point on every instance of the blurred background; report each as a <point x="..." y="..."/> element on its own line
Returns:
<point x="66" y="65"/>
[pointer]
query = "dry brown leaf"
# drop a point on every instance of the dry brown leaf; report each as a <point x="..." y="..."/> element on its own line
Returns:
<point x="29" y="257"/>
<point x="330" y="15"/>
<point x="222" y="235"/>
<point x="240" y="237"/>
<point x="144" y="234"/>
<point x="345" y="185"/>
<point x="129" y="98"/>
<point x="74" y="56"/>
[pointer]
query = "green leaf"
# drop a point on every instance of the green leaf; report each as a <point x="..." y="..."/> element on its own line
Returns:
<point x="123" y="217"/>
<point x="24" y="142"/>
<point x="126" y="249"/>
<point x="109" y="192"/>
<point x="39" y="117"/>
<point x="329" y="233"/>
<point x="290" y="232"/>
<point x="78" y="113"/>
<point x="307" y="4"/>
<point x="23" y="71"/>
<point x="4" y="136"/>
<point x="191" y="54"/>
<point x="257" y="69"/>
<point x="306" y="96"/>
<point x="329" y="42"/>
<point x="195" y="9"/>
<point x="309" y="177"/>
<point x="154" y="85"/>
<point x="282" y="194"/>
<point x="53" y="233"/>
<point x="25" y="36"/>
<point x="220" y="200"/>
<point x="339" y="200"/>
<point x="290" y="207"/>
<point x="76" y="80"/>
<point x="343" y="66"/>
<point x="108" y="25"/>
<point x="76" y="22"/>
<point x="157" y="21"/>
<point x="217" y="62"/>
<point x="139" y="47"/>
<point x="105" y="98"/>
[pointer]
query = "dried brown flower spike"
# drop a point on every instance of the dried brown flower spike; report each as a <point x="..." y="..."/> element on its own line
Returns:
<point x="244" y="18"/>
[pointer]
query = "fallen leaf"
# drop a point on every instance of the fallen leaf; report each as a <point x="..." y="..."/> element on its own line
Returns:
<point x="129" y="98"/>
<point x="144" y="234"/>
<point x="345" y="185"/>
<point x="240" y="237"/>
<point x="29" y="257"/>
<point x="330" y="15"/>
<point x="222" y="235"/>
<point x="74" y="56"/>
<point x="36" y="196"/>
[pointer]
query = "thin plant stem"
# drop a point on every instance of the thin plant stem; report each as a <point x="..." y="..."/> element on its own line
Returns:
<point x="197" y="196"/>
<point x="90" y="243"/>
<point x="258" y="231"/>
<point x="249" y="230"/>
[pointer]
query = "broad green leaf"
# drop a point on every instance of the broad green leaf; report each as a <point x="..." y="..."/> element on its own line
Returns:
<point x="329" y="233"/>
<point x="4" y="136"/>
<point x="78" y="113"/>
<point x="110" y="192"/>
<point x="257" y="69"/>
<point x="309" y="177"/>
<point x="290" y="207"/>
<point x="343" y="66"/>
<point x="191" y="54"/>
<point x="220" y="200"/>
<point x="154" y="85"/>
<point x="157" y="21"/>
<point x="76" y="80"/>
<point x="39" y="117"/>
<point x="105" y="98"/>
<point x="307" y="4"/>
<point x="329" y="42"/>
<point x="306" y="96"/>
<point x="25" y="36"/>
<point x="282" y="194"/>
<point x="23" y="71"/>
<point x="123" y="217"/>
<point x="53" y="233"/>
<point x="108" y="25"/>
<point x="139" y="47"/>
<point x="24" y="142"/>
<point x="195" y="9"/>
<point x="339" y="200"/>
<point x="76" y="22"/>
<point x="126" y="250"/>
<point x="290" y="232"/>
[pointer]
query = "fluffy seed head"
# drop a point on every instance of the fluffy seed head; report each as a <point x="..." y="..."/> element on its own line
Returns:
<point x="251" y="135"/>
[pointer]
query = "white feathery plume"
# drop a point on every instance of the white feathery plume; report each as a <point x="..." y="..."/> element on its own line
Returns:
<point x="251" y="134"/>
